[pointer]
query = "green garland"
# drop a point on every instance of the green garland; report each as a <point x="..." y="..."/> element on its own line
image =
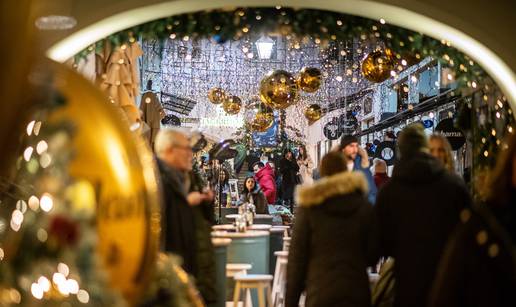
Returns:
<point x="323" y="26"/>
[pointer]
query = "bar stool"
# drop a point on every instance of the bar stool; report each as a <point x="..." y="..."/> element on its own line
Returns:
<point x="286" y="244"/>
<point x="260" y="282"/>
<point x="233" y="269"/>
<point x="280" y="278"/>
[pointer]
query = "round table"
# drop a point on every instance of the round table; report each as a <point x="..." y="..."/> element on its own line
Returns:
<point x="220" y="245"/>
<point x="231" y="227"/>
<point x="248" y="247"/>
<point x="258" y="218"/>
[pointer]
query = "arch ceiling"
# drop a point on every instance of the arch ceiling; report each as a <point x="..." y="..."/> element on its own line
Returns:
<point x="430" y="17"/>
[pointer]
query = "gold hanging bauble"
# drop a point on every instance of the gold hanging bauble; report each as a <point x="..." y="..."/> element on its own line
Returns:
<point x="256" y="106"/>
<point x="262" y="122"/>
<point x="232" y="105"/>
<point x="95" y="167"/>
<point x="313" y="113"/>
<point x="377" y="65"/>
<point x="216" y="95"/>
<point x="278" y="89"/>
<point x="309" y="79"/>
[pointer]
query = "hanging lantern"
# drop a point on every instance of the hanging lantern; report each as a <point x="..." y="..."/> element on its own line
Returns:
<point x="216" y="95"/>
<point x="313" y="113"/>
<point x="232" y="105"/>
<point x="309" y="79"/>
<point x="377" y="65"/>
<point x="278" y="89"/>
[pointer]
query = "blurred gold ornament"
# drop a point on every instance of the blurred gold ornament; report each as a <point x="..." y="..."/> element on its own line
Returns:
<point x="313" y="113"/>
<point x="262" y="122"/>
<point x="377" y="65"/>
<point x="216" y="95"/>
<point x="112" y="172"/>
<point x="232" y="105"/>
<point x="278" y="89"/>
<point x="258" y="115"/>
<point x="309" y="79"/>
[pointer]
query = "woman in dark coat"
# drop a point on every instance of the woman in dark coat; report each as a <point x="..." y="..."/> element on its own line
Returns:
<point x="334" y="239"/>
<point x="289" y="179"/>
<point x="478" y="267"/>
<point x="251" y="193"/>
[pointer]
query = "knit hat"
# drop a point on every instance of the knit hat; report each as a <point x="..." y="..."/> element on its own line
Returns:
<point x="412" y="140"/>
<point x="347" y="139"/>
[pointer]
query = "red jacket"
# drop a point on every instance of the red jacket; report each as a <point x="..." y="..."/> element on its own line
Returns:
<point x="265" y="178"/>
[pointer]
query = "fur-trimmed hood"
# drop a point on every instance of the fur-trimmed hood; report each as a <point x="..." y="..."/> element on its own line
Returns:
<point x="337" y="185"/>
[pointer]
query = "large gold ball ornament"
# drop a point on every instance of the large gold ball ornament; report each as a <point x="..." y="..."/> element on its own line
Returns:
<point x="309" y="79"/>
<point x="216" y="95"/>
<point x="377" y="65"/>
<point x="313" y="113"/>
<point x="100" y="170"/>
<point x="279" y="89"/>
<point x="262" y="122"/>
<point x="232" y="105"/>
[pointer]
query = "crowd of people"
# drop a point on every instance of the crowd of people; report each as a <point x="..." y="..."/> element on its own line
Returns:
<point x="442" y="249"/>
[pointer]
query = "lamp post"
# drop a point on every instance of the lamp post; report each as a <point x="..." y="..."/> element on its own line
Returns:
<point x="264" y="46"/>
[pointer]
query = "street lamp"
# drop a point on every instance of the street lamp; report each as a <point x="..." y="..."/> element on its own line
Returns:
<point x="264" y="46"/>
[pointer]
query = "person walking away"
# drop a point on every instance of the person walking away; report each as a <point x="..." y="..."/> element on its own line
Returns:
<point x="441" y="149"/>
<point x="333" y="240"/>
<point x="478" y="267"/>
<point x="178" y="224"/>
<point x="289" y="174"/>
<point x="358" y="160"/>
<point x="264" y="174"/>
<point x="306" y="165"/>
<point x="380" y="173"/>
<point x="417" y="211"/>
<point x="251" y="193"/>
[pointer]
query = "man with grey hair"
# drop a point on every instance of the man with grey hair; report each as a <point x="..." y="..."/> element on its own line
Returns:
<point x="186" y="224"/>
<point x="417" y="211"/>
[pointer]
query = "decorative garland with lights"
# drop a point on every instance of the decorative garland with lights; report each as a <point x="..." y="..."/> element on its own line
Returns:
<point x="323" y="26"/>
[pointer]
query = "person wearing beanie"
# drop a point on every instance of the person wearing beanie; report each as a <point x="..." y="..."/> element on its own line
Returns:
<point x="358" y="160"/>
<point x="417" y="210"/>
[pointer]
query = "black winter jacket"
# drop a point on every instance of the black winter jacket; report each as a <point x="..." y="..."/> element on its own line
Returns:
<point x="178" y="221"/>
<point x="289" y="170"/>
<point x="332" y="244"/>
<point x="417" y="212"/>
<point x="478" y="268"/>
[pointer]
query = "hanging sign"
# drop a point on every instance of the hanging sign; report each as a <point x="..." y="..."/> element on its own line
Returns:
<point x="387" y="152"/>
<point x="428" y="123"/>
<point x="171" y="120"/>
<point x="454" y="135"/>
<point x="331" y="129"/>
<point x="348" y="123"/>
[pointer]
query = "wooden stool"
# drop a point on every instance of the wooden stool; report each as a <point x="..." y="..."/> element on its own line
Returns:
<point x="286" y="244"/>
<point x="260" y="282"/>
<point x="233" y="269"/>
<point x="280" y="279"/>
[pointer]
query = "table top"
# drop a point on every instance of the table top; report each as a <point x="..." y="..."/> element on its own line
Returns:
<point x="220" y="241"/>
<point x="257" y="216"/>
<point x="232" y="227"/>
<point x="247" y="234"/>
